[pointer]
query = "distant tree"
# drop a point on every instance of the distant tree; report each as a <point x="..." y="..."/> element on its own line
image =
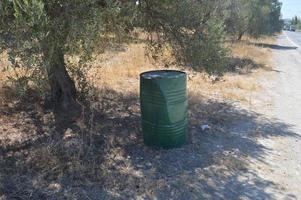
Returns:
<point x="237" y="17"/>
<point x="295" y="20"/>
<point x="253" y="17"/>
<point x="42" y="33"/>
<point x="275" y="18"/>
<point x="266" y="18"/>
<point x="192" y="28"/>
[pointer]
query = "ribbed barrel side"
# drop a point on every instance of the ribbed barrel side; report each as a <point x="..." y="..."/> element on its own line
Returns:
<point x="163" y="98"/>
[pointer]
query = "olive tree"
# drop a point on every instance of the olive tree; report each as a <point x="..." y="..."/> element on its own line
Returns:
<point x="296" y="21"/>
<point x="252" y="17"/>
<point x="192" y="28"/>
<point x="237" y="15"/>
<point x="266" y="17"/>
<point x="42" y="33"/>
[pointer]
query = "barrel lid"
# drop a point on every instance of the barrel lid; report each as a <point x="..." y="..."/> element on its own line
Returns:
<point x="158" y="74"/>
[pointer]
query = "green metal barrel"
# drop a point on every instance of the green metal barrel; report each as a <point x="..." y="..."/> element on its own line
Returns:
<point x="163" y="98"/>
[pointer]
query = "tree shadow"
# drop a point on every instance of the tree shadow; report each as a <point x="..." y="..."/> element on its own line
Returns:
<point x="274" y="46"/>
<point x="242" y="65"/>
<point x="102" y="156"/>
<point x="247" y="65"/>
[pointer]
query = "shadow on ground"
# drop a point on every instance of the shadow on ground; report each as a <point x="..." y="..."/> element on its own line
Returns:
<point x="242" y="65"/>
<point x="274" y="46"/>
<point x="247" y="65"/>
<point x="102" y="155"/>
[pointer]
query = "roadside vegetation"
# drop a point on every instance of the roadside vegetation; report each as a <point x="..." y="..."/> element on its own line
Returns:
<point x="69" y="107"/>
<point x="296" y="22"/>
<point x="46" y="35"/>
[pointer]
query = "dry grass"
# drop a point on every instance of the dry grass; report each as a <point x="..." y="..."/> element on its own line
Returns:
<point x="3" y="64"/>
<point x="121" y="71"/>
<point x="3" y="74"/>
<point x="102" y="155"/>
<point x="247" y="49"/>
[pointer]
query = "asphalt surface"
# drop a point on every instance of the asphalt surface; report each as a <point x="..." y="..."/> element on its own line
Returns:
<point x="294" y="38"/>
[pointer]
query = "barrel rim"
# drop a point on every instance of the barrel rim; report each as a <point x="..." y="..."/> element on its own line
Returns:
<point x="177" y="75"/>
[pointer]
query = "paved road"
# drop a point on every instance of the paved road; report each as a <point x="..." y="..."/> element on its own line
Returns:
<point x="284" y="163"/>
<point x="294" y="38"/>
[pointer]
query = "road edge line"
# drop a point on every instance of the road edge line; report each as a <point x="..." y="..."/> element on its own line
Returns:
<point x="291" y="41"/>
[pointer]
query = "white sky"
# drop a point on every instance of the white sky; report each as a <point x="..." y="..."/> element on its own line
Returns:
<point x="290" y="8"/>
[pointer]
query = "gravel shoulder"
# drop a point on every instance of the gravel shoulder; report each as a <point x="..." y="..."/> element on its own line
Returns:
<point x="282" y="163"/>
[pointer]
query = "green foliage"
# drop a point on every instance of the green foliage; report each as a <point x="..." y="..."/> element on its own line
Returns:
<point x="266" y="18"/>
<point x="191" y="28"/>
<point x="253" y="17"/>
<point x="41" y="34"/>
<point x="78" y="71"/>
<point x="34" y="31"/>
<point x="237" y="16"/>
<point x="207" y="49"/>
<point x="21" y="82"/>
<point x="296" y="22"/>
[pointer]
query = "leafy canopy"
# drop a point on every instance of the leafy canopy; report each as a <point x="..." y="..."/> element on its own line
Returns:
<point x="33" y="29"/>
<point x="253" y="17"/>
<point x="39" y="33"/>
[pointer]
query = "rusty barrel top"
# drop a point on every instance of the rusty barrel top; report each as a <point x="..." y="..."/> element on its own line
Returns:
<point x="163" y="98"/>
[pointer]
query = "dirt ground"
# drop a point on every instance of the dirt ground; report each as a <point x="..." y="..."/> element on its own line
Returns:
<point x="102" y="155"/>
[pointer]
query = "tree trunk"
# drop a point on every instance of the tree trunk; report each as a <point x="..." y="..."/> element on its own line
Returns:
<point x="240" y="36"/>
<point x="63" y="91"/>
